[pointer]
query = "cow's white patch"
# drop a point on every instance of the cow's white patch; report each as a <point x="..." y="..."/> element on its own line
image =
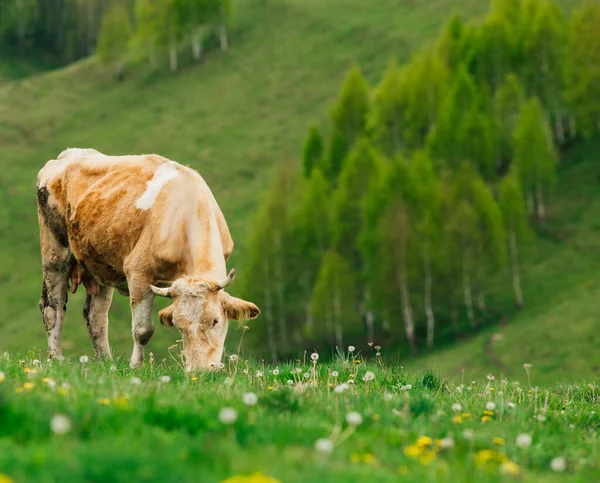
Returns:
<point x="165" y="173"/>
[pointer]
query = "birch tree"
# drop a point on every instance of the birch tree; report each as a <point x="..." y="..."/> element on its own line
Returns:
<point x="115" y="35"/>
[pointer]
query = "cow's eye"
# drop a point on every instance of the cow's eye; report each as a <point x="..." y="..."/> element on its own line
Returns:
<point x="215" y="322"/>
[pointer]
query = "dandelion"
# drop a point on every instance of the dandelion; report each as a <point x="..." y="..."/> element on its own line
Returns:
<point x="459" y="389"/>
<point x="104" y="401"/>
<point x="113" y="368"/>
<point x="314" y="356"/>
<point x="28" y="385"/>
<point x="456" y="419"/>
<point x="290" y="382"/>
<point x="136" y="381"/>
<point x="511" y="405"/>
<point x="468" y="434"/>
<point x="558" y="464"/>
<point x="249" y="398"/>
<point x="51" y="384"/>
<point x="259" y="374"/>
<point x="2" y="376"/>
<point x="306" y="375"/>
<point x="228" y="382"/>
<point x="233" y="357"/>
<point x="6" y="355"/>
<point x="84" y="359"/>
<point x="523" y="440"/>
<point x="497" y="440"/>
<point x="446" y="442"/>
<point x="456" y="407"/>
<point x="408" y="387"/>
<point x="541" y="418"/>
<point x="350" y="381"/>
<point x="485" y="419"/>
<point x="324" y="445"/>
<point x="388" y="396"/>
<point x="60" y="424"/>
<point x="353" y="418"/>
<point x="510" y="468"/>
<point x="351" y="348"/>
<point x="165" y="379"/>
<point x="490" y="377"/>
<point x="276" y="372"/>
<point x="490" y="406"/>
<point x="427" y="457"/>
<point x="36" y="362"/>
<point x="340" y="388"/>
<point x="221" y="365"/>
<point x="369" y="376"/>
<point x="227" y="415"/>
<point x="334" y="374"/>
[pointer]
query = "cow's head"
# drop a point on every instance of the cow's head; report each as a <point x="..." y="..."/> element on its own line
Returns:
<point x="201" y="310"/>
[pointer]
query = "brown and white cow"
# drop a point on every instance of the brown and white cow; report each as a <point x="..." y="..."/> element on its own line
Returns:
<point x="146" y="226"/>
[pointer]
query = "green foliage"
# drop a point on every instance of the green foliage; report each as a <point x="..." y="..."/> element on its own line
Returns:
<point x="115" y="34"/>
<point x="313" y="151"/>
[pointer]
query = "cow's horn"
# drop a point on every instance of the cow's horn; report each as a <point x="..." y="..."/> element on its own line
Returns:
<point x="227" y="280"/>
<point x="163" y="292"/>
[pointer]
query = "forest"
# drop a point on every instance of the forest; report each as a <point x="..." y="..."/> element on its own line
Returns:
<point x="421" y="192"/>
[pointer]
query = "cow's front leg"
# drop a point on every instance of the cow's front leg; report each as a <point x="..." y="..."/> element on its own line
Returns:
<point x="95" y="313"/>
<point x="141" y="320"/>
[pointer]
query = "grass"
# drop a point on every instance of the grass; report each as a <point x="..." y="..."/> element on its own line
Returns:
<point x="157" y="424"/>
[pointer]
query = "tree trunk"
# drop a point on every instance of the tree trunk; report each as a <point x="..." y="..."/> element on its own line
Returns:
<point x="223" y="38"/>
<point x="173" y="55"/>
<point x="409" y="323"/>
<point x="279" y="287"/>
<point x="427" y="300"/>
<point x="514" y="262"/>
<point x="541" y="210"/>
<point x="468" y="294"/>
<point x="197" y="39"/>
<point x="369" y="317"/>
<point x="337" y="311"/>
<point x="269" y="311"/>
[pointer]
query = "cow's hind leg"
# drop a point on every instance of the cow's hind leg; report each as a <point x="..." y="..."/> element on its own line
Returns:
<point x="95" y="313"/>
<point x="142" y="327"/>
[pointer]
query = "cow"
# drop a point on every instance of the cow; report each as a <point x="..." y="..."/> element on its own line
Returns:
<point x="146" y="226"/>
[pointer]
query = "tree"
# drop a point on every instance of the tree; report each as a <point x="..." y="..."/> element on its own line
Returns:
<point x="115" y="34"/>
<point x="534" y="155"/>
<point x="313" y="150"/>
<point x="508" y="101"/>
<point x="192" y="16"/>
<point x="515" y="223"/>
<point x="147" y="14"/>
<point x="348" y="120"/>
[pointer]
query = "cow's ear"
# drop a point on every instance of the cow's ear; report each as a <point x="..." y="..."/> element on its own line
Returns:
<point x="238" y="309"/>
<point x="166" y="316"/>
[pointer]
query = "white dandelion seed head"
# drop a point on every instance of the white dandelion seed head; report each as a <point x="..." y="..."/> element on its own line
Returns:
<point x="306" y="375"/>
<point x="233" y="357"/>
<point x="468" y="434"/>
<point x="136" y="381"/>
<point x="490" y="377"/>
<point x="446" y="442"/>
<point x="221" y="365"/>
<point x="369" y="376"/>
<point x="51" y="383"/>
<point x="249" y="398"/>
<point x="228" y="382"/>
<point x="388" y="396"/>
<point x="340" y="388"/>
<point x="459" y="389"/>
<point x="6" y="355"/>
<point x="511" y="405"/>
<point x="275" y="372"/>
<point x="350" y="381"/>
<point x="334" y="374"/>
<point x="259" y="374"/>
<point x="571" y="426"/>
<point x="324" y="445"/>
<point x="60" y="424"/>
<point x="113" y="368"/>
<point x="541" y="418"/>
<point x="490" y="406"/>
<point x="351" y="348"/>
<point x="353" y="418"/>
<point x="245" y="371"/>
<point x="165" y="379"/>
<point x="299" y="370"/>
<point x="527" y="366"/>
<point x="290" y="382"/>
<point x="228" y="415"/>
<point x="523" y="440"/>
<point x="558" y="464"/>
<point x="456" y="407"/>
<point x="408" y="387"/>
<point x="314" y="356"/>
<point x="36" y="362"/>
<point x="84" y="359"/>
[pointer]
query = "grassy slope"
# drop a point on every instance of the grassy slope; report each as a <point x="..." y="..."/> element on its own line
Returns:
<point x="235" y="117"/>
<point x="170" y="431"/>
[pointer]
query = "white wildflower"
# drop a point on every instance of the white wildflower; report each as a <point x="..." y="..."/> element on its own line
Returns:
<point x="324" y="445"/>
<point x="259" y="374"/>
<point x="456" y="407"/>
<point x="369" y="376"/>
<point x="165" y="379"/>
<point x="490" y="406"/>
<point x="353" y="418"/>
<point x="245" y="371"/>
<point x="51" y="383"/>
<point x="227" y="415"/>
<point x="314" y="356"/>
<point x="558" y="464"/>
<point x="350" y="381"/>
<point x="334" y="374"/>
<point x="306" y="375"/>
<point x="511" y="405"/>
<point x="136" y="381"/>
<point x="36" y="362"/>
<point x="113" y="368"/>
<point x="446" y="442"/>
<point x="249" y="398"/>
<point x="275" y="372"/>
<point x="523" y="440"/>
<point x="340" y="388"/>
<point x="6" y="355"/>
<point x="221" y="365"/>
<point x="84" y="359"/>
<point x="490" y="377"/>
<point x="60" y="424"/>
<point x="408" y="387"/>
<point x="388" y="396"/>
<point x="541" y="418"/>
<point x="233" y="357"/>
<point x="351" y="348"/>
<point x="290" y="382"/>
<point x="459" y="389"/>
<point x="468" y="434"/>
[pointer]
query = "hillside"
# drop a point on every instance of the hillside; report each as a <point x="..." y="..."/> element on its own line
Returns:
<point x="235" y="117"/>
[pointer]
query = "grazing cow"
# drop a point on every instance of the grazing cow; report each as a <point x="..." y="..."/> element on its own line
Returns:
<point x="146" y="226"/>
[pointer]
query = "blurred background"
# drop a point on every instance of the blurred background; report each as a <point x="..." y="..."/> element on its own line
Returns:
<point x="418" y="179"/>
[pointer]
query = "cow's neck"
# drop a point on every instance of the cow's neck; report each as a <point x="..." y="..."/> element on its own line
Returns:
<point x="206" y="250"/>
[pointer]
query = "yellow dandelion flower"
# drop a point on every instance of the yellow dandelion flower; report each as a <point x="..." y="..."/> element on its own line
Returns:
<point x="330" y="385"/>
<point x="484" y="456"/>
<point x="271" y="388"/>
<point x="19" y="389"/>
<point x="487" y="412"/>
<point x="357" y="361"/>
<point x="62" y="390"/>
<point x="375" y="417"/>
<point x="46" y="380"/>
<point x="28" y="385"/>
<point x="427" y="457"/>
<point x="485" y="419"/>
<point x="121" y="402"/>
<point x="424" y="441"/>
<point x="492" y="389"/>
<point x="355" y="457"/>
<point x="497" y="440"/>
<point x="413" y="451"/>
<point x="369" y="458"/>
<point x="104" y="400"/>
<point x="457" y="419"/>
<point x="402" y="469"/>
<point x="27" y="370"/>
<point x="2" y="378"/>
<point x="253" y="478"/>
<point x="194" y="378"/>
<point x="466" y="415"/>
<point x="5" y="479"/>
<point x="510" y="468"/>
